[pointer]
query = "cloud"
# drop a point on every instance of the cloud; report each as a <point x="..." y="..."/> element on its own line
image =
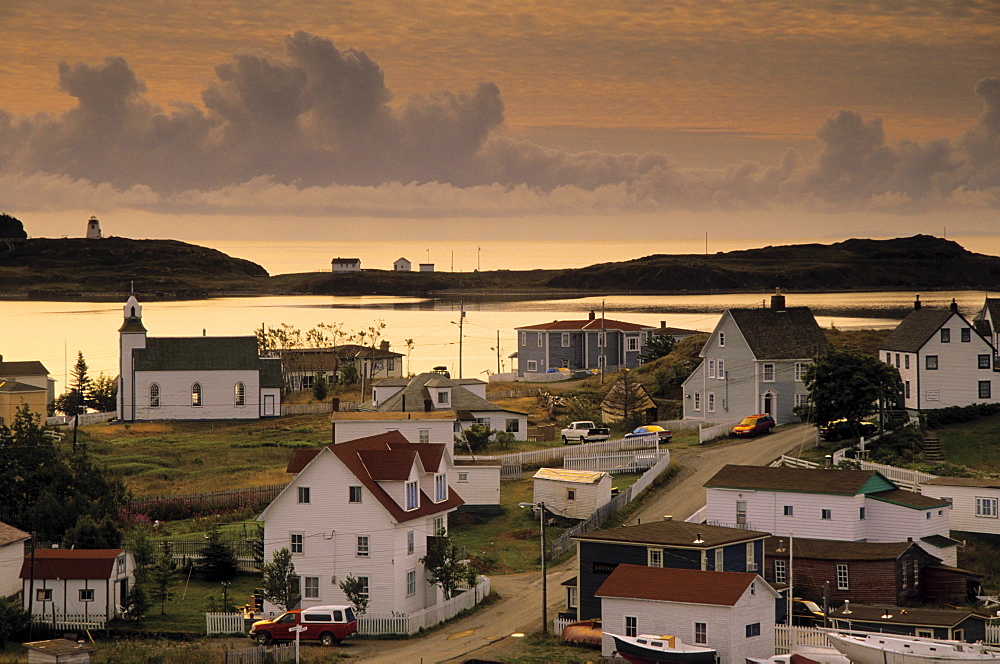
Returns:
<point x="317" y="133"/>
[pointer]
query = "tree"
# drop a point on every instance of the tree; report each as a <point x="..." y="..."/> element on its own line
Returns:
<point x="13" y="619"/>
<point x="103" y="394"/>
<point x="849" y="384"/>
<point x="217" y="560"/>
<point x="11" y="228"/>
<point x="281" y="585"/>
<point x="657" y="346"/>
<point x="161" y="574"/>
<point x="475" y="438"/>
<point x="320" y="387"/>
<point x="89" y="533"/>
<point x="80" y="385"/>
<point x="356" y="591"/>
<point x="625" y="400"/>
<point x="349" y="375"/>
<point x="446" y="566"/>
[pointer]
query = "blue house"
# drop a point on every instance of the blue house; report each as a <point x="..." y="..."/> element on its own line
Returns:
<point x="594" y="343"/>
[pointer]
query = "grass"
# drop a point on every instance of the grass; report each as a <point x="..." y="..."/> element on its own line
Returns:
<point x="972" y="444"/>
<point x="545" y="648"/>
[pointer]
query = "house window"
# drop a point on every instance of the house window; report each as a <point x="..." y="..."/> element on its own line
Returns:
<point x="440" y="528"/>
<point x="463" y="477"/>
<point x="984" y="361"/>
<point x="602" y="339"/>
<point x="411" y="582"/>
<point x="425" y="435"/>
<point x="800" y="372"/>
<point x="631" y="626"/>
<point x="483" y="421"/>
<point x="711" y="368"/>
<point x="539" y="339"/>
<point x="753" y="587"/>
<point x="121" y="564"/>
<point x="363" y="584"/>
<point x="825" y="514"/>
<point x="570" y="494"/>
<point x="564" y="339"/>
<point x="711" y="402"/>
<point x="154" y="395"/>
<point x="966" y="335"/>
<point x="363" y="546"/>
<point x="412" y="498"/>
<point x="391" y="364"/>
<point x="86" y="594"/>
<point x="843" y="581"/>
<point x="768" y="372"/>
<point x="741" y="512"/>
<point x="571" y="597"/>
<point x="700" y="632"/>
<point x="240" y="394"/>
<point x="753" y="629"/>
<point x="722" y="370"/>
<point x="904" y="574"/>
<point x="654" y="557"/>
<point x="906" y="388"/>
<point x="720" y="559"/>
<point x="897" y="360"/>
<point x="931" y="362"/>
<point x="443" y="398"/>
<point x="524" y="338"/>
<point x="779" y="571"/>
<point x="945" y="335"/>
<point x="958" y="635"/>
<point x="440" y="487"/>
<point x="751" y="558"/>
<point x="303" y="495"/>
<point x="861" y="513"/>
<point x="354" y="494"/>
<point x="196" y="395"/>
<point x="801" y="400"/>
<point x="906" y="361"/>
<point x="298" y="543"/>
<point x="789" y="510"/>
<point x="631" y="343"/>
<point x="310" y="587"/>
<point x="697" y="401"/>
<point x="925" y="633"/>
<point x="722" y="339"/>
<point x="513" y="425"/>
<point x="986" y="507"/>
<point x="985" y="389"/>
<point x="888" y="358"/>
<point x="308" y="382"/>
<point x="532" y="365"/>
<point x="43" y="594"/>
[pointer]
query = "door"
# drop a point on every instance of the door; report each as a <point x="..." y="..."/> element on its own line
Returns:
<point x="123" y="593"/>
<point x="769" y="404"/>
<point x="268" y="404"/>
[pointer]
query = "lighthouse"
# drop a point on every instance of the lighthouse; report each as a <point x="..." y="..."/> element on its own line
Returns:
<point x="93" y="229"/>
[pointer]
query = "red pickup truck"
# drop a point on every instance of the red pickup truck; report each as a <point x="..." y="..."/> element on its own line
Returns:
<point x="326" y="624"/>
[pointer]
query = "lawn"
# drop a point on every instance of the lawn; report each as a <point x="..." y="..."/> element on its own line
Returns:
<point x="973" y="444"/>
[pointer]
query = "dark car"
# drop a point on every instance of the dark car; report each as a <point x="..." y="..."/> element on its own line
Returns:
<point x="840" y="429"/>
<point x="650" y="431"/>
<point x="754" y="426"/>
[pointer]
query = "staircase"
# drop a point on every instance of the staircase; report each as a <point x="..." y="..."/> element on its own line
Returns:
<point x="932" y="449"/>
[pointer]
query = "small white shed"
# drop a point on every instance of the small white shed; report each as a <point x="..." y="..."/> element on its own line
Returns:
<point x="346" y="264"/>
<point x="59" y="651"/>
<point x="572" y="493"/>
<point x="426" y="267"/>
<point x="401" y="265"/>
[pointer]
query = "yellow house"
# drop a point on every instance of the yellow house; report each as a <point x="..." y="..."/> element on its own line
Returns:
<point x="13" y="394"/>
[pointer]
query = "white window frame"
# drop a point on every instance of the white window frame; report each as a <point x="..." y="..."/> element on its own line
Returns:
<point x="539" y="339"/>
<point x="780" y="571"/>
<point x="440" y="487"/>
<point x="363" y="546"/>
<point x="767" y="372"/>
<point x="355" y="492"/>
<point x="800" y="371"/>
<point x="697" y="401"/>
<point x="524" y="338"/>
<point x="751" y="555"/>
<point x="154" y="395"/>
<point x="711" y="368"/>
<point x="564" y="339"/>
<point x="411" y="582"/>
<point x="654" y="557"/>
<point x="711" y="402"/>
<point x="986" y="507"/>
<point x="410" y="543"/>
<point x="440" y="525"/>
<point x="843" y="577"/>
<point x="412" y="493"/>
<point x="722" y="339"/>
<point x="86" y="594"/>
<point x="424" y="435"/>
<point x="512" y="425"/>
<point x="239" y="394"/>
<point x="197" y="395"/>
<point x="463" y="476"/>
<point x="303" y="495"/>
<point x="741" y="512"/>
<point x="720" y="559"/>
<point x="721" y="366"/>
<point x="631" y="344"/>
<point x="365" y="590"/>
<point x="701" y="633"/>
<point x="310" y="587"/>
<point x="602" y="339"/>
<point x="297" y="543"/>
<point x="443" y="398"/>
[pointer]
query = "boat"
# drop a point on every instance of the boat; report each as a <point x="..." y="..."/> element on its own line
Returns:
<point x="653" y="649"/>
<point x="587" y="632"/>
<point x="803" y="654"/>
<point x="881" y="648"/>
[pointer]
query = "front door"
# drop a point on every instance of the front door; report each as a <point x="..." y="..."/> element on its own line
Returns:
<point x="769" y="404"/>
<point x="123" y="593"/>
<point x="269" y="404"/>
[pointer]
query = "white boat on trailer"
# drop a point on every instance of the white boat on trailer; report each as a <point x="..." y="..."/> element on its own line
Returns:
<point x="652" y="649"/>
<point x="804" y="654"/>
<point x="882" y="648"/>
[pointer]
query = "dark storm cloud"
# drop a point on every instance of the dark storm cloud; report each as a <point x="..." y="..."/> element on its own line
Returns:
<point x="309" y="131"/>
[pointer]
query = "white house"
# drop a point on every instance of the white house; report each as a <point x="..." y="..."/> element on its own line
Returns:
<point x="401" y="265"/>
<point x="364" y="508"/>
<point x="574" y="494"/>
<point x="11" y="554"/>
<point x="346" y="264"/>
<point x="92" y="583"/>
<point x="988" y="321"/>
<point x="193" y="378"/>
<point x="942" y="359"/>
<point x="732" y="612"/>
<point x="426" y="267"/>
<point x="973" y="502"/>
<point x="754" y="362"/>
<point x="849" y="505"/>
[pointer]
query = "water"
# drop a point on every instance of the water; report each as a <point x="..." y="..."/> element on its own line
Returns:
<point x="53" y="331"/>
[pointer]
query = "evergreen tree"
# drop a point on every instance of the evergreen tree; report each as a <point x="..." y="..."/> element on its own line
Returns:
<point x="281" y="585"/>
<point x="217" y="560"/>
<point x="89" y="533"/>
<point x="320" y="387"/>
<point x="103" y="394"/>
<point x="161" y="574"/>
<point x="657" y="346"/>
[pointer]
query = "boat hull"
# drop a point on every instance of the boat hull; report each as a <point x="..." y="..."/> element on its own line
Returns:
<point x="638" y="654"/>
<point x="886" y="649"/>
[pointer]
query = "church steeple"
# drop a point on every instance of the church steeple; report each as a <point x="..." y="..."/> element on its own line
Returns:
<point x="133" y="317"/>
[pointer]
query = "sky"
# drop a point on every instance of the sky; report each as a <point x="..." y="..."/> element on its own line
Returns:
<point x="523" y="120"/>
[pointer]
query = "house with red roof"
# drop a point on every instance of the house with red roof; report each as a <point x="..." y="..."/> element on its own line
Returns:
<point x="12" y="541"/>
<point x="364" y="508"/>
<point x="91" y="585"/>
<point x="732" y="612"/>
<point x="593" y="343"/>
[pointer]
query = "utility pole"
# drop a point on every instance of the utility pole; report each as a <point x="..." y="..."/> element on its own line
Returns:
<point x="603" y="343"/>
<point x="461" y="323"/>
<point x="31" y="587"/>
<point x="498" y="351"/>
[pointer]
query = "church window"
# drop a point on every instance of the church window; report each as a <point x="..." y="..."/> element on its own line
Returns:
<point x="241" y="394"/>
<point x="154" y="396"/>
<point x="196" y="400"/>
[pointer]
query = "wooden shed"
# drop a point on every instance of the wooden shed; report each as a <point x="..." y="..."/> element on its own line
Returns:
<point x="572" y="493"/>
<point x="61" y="651"/>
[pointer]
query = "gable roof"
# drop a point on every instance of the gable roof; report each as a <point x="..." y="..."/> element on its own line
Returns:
<point x="415" y="393"/>
<point x="908" y="499"/>
<point x="571" y="476"/>
<point x="780" y="334"/>
<point x="800" y="480"/>
<point x="916" y="329"/>
<point x="992" y="307"/>
<point x="981" y="483"/>
<point x="820" y="549"/>
<point x="666" y="584"/>
<point x="24" y="368"/>
<point x="197" y="353"/>
<point x="680" y="534"/>
<point x="70" y="564"/>
<point x="14" y="386"/>
<point x="9" y="534"/>
<point x="591" y="324"/>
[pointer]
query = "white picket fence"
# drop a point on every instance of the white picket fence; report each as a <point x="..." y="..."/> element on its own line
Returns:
<point x="274" y="654"/>
<point x="225" y="623"/>
<point x="70" y="621"/>
<point x="992" y="634"/>
<point x="86" y="418"/>
<point x="313" y="408"/>
<point x="616" y="462"/>
<point x="707" y="433"/>
<point x="554" y="455"/>
<point x="786" y="636"/>
<point x="904" y="477"/>
<point x="411" y="623"/>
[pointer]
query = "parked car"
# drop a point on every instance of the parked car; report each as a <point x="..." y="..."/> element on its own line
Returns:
<point x="806" y="613"/>
<point x="584" y="432"/>
<point x="664" y="435"/>
<point x="754" y="426"/>
<point x="327" y="624"/>
<point x="840" y="429"/>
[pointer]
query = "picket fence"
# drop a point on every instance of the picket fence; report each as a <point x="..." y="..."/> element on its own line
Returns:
<point x="313" y="408"/>
<point x="618" y="462"/>
<point x="408" y="624"/>
<point x="786" y="636"/>
<point x="210" y="500"/>
<point x="225" y="623"/>
<point x="707" y="433"/>
<point x="553" y="455"/>
<point x="904" y="477"/>
<point x="70" y="621"/>
<point x="516" y="394"/>
<point x="86" y="418"/>
<point x="275" y="654"/>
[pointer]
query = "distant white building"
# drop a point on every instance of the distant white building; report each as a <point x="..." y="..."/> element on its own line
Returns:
<point x="346" y="264"/>
<point x="426" y="267"/>
<point x="401" y="265"/>
<point x="93" y="583"/>
<point x="93" y="229"/>
<point x="574" y="494"/>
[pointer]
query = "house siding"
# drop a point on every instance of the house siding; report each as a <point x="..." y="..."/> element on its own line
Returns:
<point x="589" y="496"/>
<point x="962" y="515"/>
<point x="740" y="369"/>
<point x="218" y="395"/>
<point x="11" y="557"/>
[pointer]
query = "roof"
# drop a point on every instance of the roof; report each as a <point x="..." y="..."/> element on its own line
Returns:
<point x="908" y="499"/>
<point x="675" y="331"/>
<point x="992" y="306"/>
<point x="14" y="386"/>
<point x="197" y="353"/>
<point x="9" y="534"/>
<point x="270" y="373"/>
<point x="916" y="329"/>
<point x="940" y="541"/>
<point x="25" y="368"/>
<point x="60" y="647"/>
<point x="821" y="549"/>
<point x="674" y="533"/>
<point x="376" y="416"/>
<point x="800" y="480"/>
<point x="981" y="483"/>
<point x="905" y="616"/>
<point x="415" y="393"/>
<point x="346" y="260"/>
<point x="574" y="476"/>
<point x="71" y="563"/>
<point x="665" y="584"/>
<point x="589" y="324"/>
<point x="780" y="334"/>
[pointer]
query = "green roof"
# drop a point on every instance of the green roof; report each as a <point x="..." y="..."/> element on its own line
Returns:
<point x="198" y="354"/>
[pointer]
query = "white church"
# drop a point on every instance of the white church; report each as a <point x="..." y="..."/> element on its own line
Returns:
<point x="193" y="378"/>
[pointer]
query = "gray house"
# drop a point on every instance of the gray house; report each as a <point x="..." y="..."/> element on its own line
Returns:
<point x="754" y="362"/>
<point x="593" y="343"/>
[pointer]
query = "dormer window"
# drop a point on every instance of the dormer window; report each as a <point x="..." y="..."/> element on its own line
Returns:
<point x="440" y="487"/>
<point x="444" y="397"/>
<point x="412" y="496"/>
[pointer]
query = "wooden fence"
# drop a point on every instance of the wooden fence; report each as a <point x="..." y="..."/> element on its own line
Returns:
<point x="57" y="620"/>
<point x="410" y="623"/>
<point x="225" y="623"/>
<point x="248" y="552"/>
<point x="616" y="462"/>
<point x="516" y="394"/>
<point x="313" y="408"/>
<point x="787" y="636"/>
<point x="707" y="433"/>
<point x="86" y="418"/>
<point x="197" y="504"/>
<point x="555" y="455"/>
<point x="904" y="477"/>
<point x="275" y="654"/>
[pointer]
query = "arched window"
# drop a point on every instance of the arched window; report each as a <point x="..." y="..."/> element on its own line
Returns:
<point x="241" y="394"/>
<point x="154" y="395"/>
<point x="196" y="395"/>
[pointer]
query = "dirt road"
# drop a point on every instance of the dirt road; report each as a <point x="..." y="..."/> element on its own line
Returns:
<point x="519" y="610"/>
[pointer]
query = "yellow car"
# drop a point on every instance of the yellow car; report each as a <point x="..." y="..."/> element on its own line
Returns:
<point x="754" y="425"/>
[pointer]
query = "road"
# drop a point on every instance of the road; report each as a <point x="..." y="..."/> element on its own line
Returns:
<point x="519" y="610"/>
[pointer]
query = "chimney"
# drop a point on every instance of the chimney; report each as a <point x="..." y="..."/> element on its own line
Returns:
<point x="663" y="324"/>
<point x="954" y="306"/>
<point x="916" y="303"/>
<point x="778" y="300"/>
<point x="592" y="315"/>
<point x="668" y="517"/>
<point x="384" y="345"/>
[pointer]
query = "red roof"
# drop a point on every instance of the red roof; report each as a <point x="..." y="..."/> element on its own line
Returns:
<point x="665" y="584"/>
<point x="71" y="564"/>
<point x="589" y="324"/>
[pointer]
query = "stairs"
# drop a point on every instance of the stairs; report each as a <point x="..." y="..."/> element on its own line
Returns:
<point x="932" y="449"/>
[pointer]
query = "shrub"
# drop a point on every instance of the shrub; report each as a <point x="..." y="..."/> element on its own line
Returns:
<point x="940" y="417"/>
